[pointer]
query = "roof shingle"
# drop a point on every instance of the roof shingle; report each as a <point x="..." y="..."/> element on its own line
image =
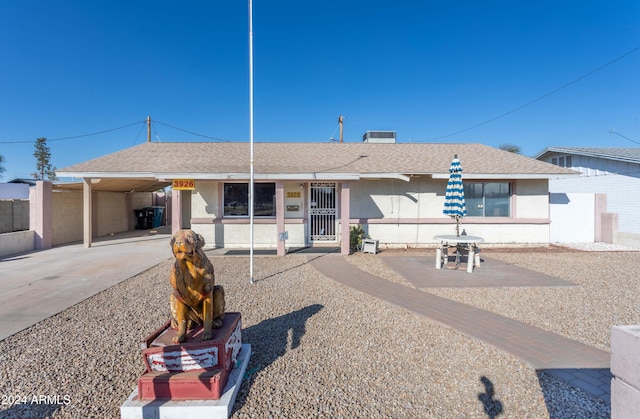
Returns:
<point x="293" y="158"/>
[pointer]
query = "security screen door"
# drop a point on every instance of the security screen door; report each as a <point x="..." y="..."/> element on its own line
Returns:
<point x="322" y="212"/>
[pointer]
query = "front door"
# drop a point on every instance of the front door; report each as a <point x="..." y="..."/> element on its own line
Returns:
<point x="322" y="212"/>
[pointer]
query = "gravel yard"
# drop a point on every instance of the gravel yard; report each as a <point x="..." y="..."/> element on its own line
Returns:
<point x="320" y="349"/>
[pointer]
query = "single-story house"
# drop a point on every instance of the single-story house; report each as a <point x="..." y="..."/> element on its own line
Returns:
<point x="613" y="176"/>
<point x="315" y="191"/>
<point x="16" y="189"/>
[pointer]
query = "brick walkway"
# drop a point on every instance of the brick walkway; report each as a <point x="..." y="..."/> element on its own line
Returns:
<point x="578" y="364"/>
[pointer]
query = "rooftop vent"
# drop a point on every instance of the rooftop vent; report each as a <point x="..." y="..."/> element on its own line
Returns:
<point x="379" y="137"/>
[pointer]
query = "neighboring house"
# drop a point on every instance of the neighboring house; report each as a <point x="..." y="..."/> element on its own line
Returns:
<point x="612" y="176"/>
<point x="316" y="191"/>
<point x="16" y="189"/>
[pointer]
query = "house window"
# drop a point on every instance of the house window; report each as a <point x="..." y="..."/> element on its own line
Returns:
<point x="487" y="199"/>
<point x="236" y="199"/>
<point x="564" y="161"/>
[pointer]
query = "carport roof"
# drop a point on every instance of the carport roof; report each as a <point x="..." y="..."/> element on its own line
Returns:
<point x="314" y="161"/>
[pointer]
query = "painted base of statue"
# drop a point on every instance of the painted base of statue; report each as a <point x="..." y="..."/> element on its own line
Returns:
<point x="192" y="376"/>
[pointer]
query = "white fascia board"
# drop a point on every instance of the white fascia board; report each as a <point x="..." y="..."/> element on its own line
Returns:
<point x="508" y="176"/>
<point x="385" y="176"/>
<point x="336" y="176"/>
<point x="107" y="175"/>
<point x="199" y="176"/>
<point x="259" y="176"/>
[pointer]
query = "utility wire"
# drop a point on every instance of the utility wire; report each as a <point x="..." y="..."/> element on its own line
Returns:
<point x="539" y="98"/>
<point x="612" y="131"/>
<point x="73" y="137"/>
<point x="115" y="129"/>
<point x="137" y="136"/>
<point x="191" y="132"/>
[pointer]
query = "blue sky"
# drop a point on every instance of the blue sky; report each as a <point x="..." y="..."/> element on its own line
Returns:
<point x="429" y="70"/>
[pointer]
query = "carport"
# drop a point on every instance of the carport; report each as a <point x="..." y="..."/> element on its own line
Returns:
<point x="42" y="202"/>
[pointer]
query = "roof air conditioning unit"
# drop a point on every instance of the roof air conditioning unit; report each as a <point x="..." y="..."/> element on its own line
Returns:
<point x="379" y="137"/>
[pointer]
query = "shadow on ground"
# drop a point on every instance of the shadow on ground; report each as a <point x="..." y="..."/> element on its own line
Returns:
<point x="31" y="406"/>
<point x="596" y="382"/>
<point x="269" y="340"/>
<point x="492" y="406"/>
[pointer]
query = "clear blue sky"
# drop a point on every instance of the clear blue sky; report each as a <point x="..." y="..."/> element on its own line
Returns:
<point x="425" y="69"/>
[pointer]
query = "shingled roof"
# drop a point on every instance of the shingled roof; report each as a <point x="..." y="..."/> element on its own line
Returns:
<point x="628" y="154"/>
<point x="309" y="161"/>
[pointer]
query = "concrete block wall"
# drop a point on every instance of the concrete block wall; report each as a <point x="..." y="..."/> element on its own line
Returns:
<point x="625" y="368"/>
<point x="67" y="217"/>
<point x="112" y="214"/>
<point x="6" y="216"/>
<point x="14" y="215"/>
<point x="16" y="242"/>
<point x="20" y="214"/>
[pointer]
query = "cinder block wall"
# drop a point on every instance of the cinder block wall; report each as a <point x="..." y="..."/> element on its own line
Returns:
<point x="112" y="215"/>
<point x="625" y="368"/>
<point x="6" y="216"/>
<point x="16" y="242"/>
<point x="14" y="215"/>
<point x="20" y="214"/>
<point x="67" y="217"/>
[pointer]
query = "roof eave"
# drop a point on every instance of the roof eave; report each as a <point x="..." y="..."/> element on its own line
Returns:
<point x="106" y="175"/>
<point x="373" y="176"/>
<point x="260" y="176"/>
<point x="508" y="175"/>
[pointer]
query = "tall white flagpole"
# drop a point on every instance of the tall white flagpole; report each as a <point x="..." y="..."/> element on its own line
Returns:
<point x="251" y="140"/>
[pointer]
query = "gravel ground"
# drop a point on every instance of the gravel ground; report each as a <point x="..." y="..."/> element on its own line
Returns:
<point x="320" y="349"/>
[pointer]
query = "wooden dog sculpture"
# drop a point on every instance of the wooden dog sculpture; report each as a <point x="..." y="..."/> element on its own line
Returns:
<point x="195" y="298"/>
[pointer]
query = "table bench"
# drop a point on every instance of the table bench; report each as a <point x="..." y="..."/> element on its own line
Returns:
<point x="442" y="252"/>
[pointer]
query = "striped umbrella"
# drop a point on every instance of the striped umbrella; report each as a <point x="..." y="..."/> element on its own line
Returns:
<point x="454" y="205"/>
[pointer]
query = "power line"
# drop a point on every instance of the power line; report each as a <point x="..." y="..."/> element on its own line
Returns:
<point x="613" y="131"/>
<point x="538" y="98"/>
<point x="73" y="137"/>
<point x="191" y="132"/>
<point x="118" y="128"/>
<point x="137" y="136"/>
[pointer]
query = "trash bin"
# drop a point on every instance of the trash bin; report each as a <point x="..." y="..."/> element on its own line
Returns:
<point x="157" y="216"/>
<point x="144" y="218"/>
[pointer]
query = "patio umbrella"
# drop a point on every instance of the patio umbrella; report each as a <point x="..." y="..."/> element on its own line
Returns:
<point x="454" y="205"/>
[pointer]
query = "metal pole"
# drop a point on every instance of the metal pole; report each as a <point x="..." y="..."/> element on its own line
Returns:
<point x="148" y="129"/>
<point x="251" y="140"/>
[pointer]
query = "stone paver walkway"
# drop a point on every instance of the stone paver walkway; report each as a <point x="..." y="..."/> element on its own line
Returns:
<point x="580" y="365"/>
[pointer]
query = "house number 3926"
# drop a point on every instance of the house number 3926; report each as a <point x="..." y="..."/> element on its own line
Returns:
<point x="293" y="195"/>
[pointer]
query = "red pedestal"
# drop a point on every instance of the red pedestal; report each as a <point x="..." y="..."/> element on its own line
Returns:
<point x="194" y="369"/>
<point x="206" y="384"/>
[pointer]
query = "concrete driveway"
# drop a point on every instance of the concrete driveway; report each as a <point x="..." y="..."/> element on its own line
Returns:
<point x="39" y="284"/>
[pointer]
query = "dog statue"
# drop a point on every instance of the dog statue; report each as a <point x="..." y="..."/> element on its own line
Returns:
<point x="195" y="298"/>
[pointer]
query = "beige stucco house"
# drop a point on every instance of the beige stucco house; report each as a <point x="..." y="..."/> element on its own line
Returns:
<point x="315" y="191"/>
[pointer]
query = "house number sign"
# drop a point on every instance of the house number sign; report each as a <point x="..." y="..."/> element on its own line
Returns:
<point x="294" y="194"/>
<point x="183" y="184"/>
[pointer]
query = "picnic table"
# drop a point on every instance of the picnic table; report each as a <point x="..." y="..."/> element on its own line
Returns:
<point x="459" y="242"/>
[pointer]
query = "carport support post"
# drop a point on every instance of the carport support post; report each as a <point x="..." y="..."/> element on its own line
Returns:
<point x="176" y="210"/>
<point x="87" y="216"/>
<point x="280" y="216"/>
<point x="345" y="218"/>
<point x="41" y="215"/>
